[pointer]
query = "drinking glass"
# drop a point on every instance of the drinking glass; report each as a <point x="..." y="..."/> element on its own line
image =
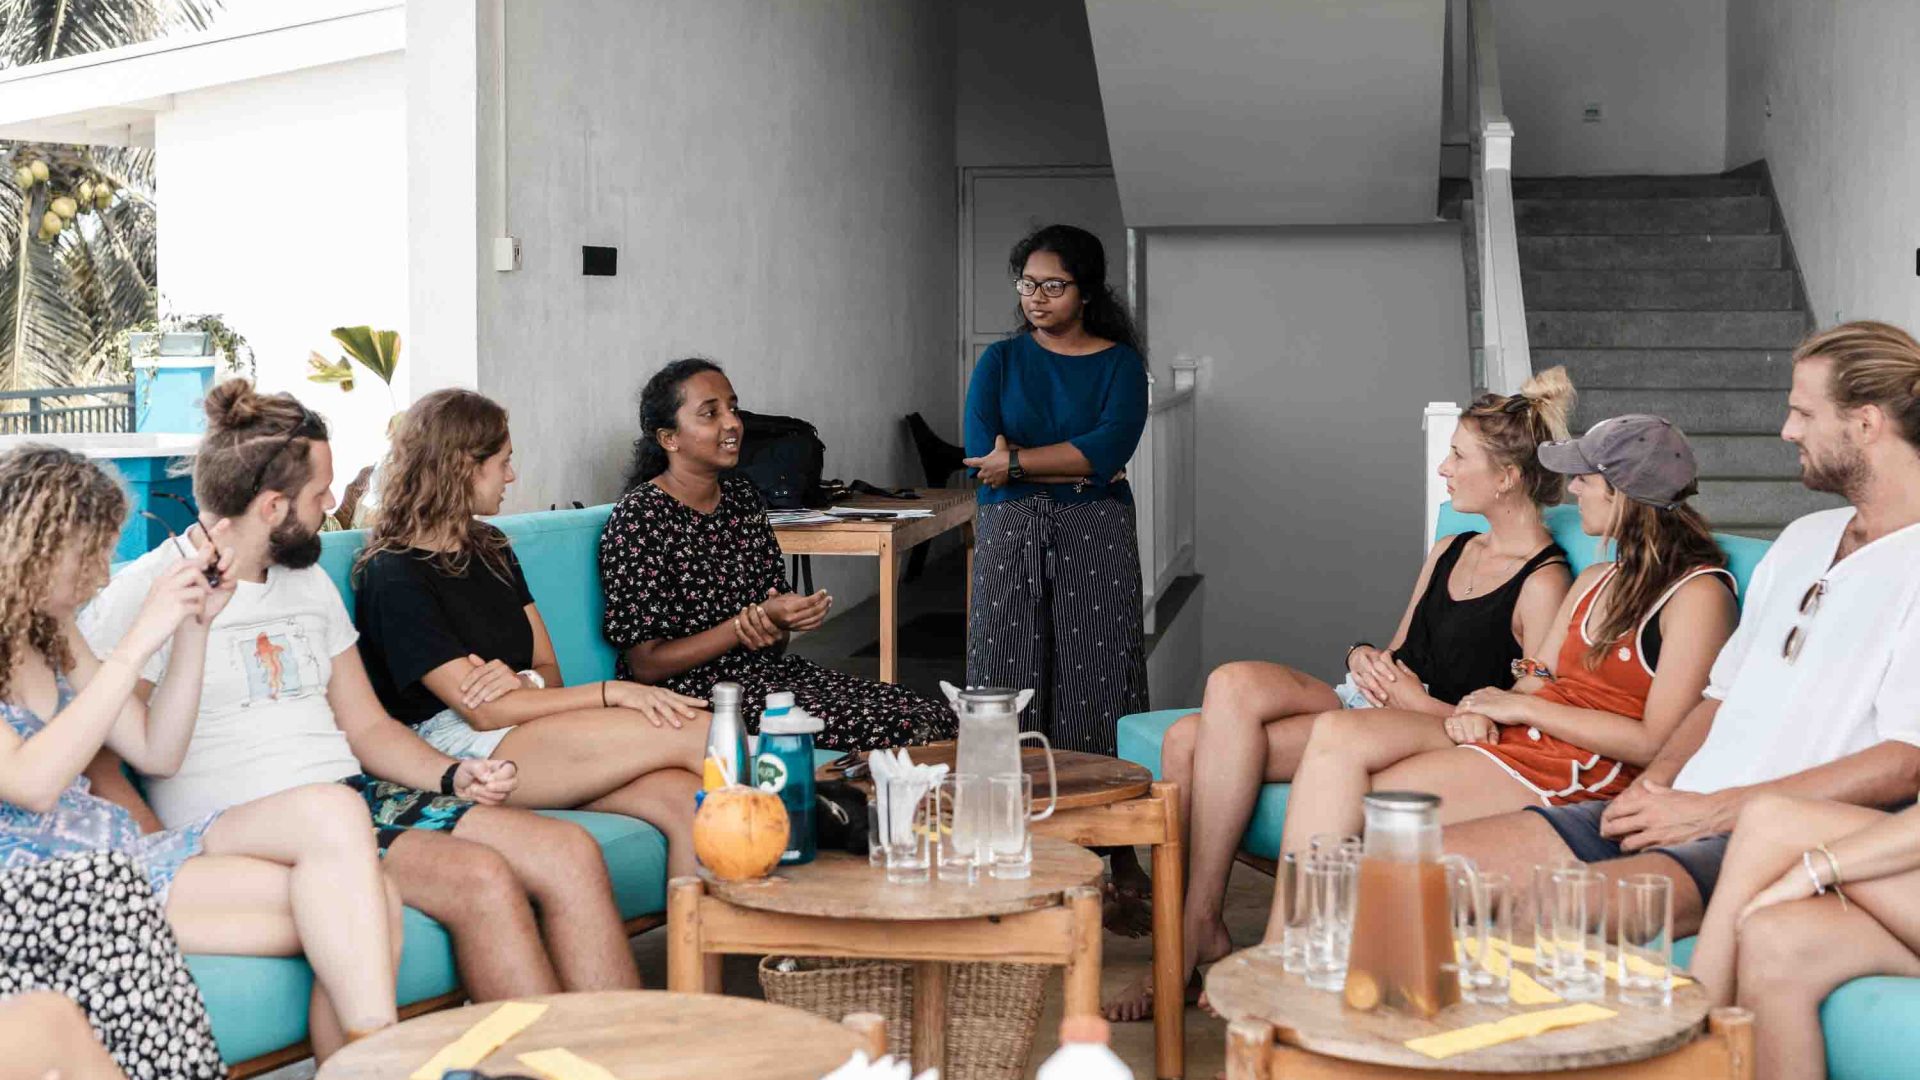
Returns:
<point x="1483" y="937"/>
<point x="1290" y="881"/>
<point x="910" y="818"/>
<point x="1580" y="934"/>
<point x="1543" y="950"/>
<point x="1009" y="805"/>
<point x="960" y="846"/>
<point x="876" y="838"/>
<point x="1644" y="914"/>
<point x="1330" y="881"/>
<point x="1333" y="843"/>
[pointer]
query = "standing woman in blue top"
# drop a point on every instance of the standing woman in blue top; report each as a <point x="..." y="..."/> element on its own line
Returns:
<point x="1053" y="414"/>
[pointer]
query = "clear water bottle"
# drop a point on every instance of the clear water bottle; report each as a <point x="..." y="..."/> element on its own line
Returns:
<point x="785" y="767"/>
<point x="726" y="739"/>
<point x="1084" y="1053"/>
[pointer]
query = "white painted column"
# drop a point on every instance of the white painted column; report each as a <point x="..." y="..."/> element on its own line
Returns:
<point x="1440" y="420"/>
<point x="445" y="52"/>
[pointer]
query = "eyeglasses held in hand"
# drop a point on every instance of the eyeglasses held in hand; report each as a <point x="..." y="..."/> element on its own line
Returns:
<point x="1053" y="287"/>
<point x="1797" y="637"/>
<point x="212" y="572"/>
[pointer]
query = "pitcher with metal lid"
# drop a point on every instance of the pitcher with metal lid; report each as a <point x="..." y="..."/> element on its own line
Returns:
<point x="1403" y="922"/>
<point x="989" y="746"/>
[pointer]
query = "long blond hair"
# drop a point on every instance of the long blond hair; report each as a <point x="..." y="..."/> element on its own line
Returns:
<point x="426" y="486"/>
<point x="50" y="500"/>
<point x="1512" y="427"/>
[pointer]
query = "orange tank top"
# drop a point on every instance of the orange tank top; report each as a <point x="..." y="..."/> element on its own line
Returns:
<point x="1622" y="679"/>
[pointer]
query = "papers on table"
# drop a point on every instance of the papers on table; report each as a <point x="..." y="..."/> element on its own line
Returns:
<point x="778" y="518"/>
<point x="869" y="513"/>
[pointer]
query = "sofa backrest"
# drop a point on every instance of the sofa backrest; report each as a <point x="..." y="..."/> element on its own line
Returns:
<point x="559" y="551"/>
<point x="1743" y="552"/>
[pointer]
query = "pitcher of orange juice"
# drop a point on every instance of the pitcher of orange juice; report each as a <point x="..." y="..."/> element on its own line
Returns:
<point x="1402" y="956"/>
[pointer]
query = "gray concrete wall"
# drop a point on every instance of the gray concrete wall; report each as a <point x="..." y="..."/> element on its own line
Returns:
<point x="1839" y="83"/>
<point x="1028" y="90"/>
<point x="1657" y="68"/>
<point x="1322" y="347"/>
<point x="779" y="179"/>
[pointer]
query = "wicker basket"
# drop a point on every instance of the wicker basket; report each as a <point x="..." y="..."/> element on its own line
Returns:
<point x="992" y="1009"/>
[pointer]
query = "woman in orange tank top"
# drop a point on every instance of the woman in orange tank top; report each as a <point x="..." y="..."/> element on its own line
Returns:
<point x="1630" y="653"/>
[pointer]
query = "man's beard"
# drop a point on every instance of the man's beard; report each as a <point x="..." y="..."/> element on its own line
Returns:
<point x="1844" y="473"/>
<point x="293" y="545"/>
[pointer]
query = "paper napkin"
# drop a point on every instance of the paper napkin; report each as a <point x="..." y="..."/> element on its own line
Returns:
<point x="559" y="1064"/>
<point x="481" y="1039"/>
<point x="1519" y="1026"/>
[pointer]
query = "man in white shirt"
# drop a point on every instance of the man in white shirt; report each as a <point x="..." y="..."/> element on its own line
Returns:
<point x="285" y="701"/>
<point x="1817" y="694"/>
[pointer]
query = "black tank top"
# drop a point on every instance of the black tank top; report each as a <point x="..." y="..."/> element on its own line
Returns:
<point x="1459" y="646"/>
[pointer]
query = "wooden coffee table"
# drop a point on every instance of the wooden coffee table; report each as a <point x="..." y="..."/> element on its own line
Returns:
<point x="1107" y="802"/>
<point x="635" y="1034"/>
<point x="838" y="905"/>
<point x="1281" y="1027"/>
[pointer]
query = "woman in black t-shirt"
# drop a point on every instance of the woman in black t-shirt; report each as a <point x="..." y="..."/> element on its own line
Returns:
<point x="456" y="647"/>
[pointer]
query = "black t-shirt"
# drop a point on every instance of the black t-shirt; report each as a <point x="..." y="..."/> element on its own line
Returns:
<point x="413" y="617"/>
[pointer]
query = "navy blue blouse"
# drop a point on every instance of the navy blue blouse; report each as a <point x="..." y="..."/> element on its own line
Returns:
<point x="1036" y="397"/>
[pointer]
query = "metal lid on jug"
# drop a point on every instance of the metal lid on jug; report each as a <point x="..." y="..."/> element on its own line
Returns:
<point x="989" y="695"/>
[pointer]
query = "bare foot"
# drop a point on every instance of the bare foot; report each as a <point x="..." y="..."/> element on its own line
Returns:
<point x="1135" y="1000"/>
<point x="1125" y="912"/>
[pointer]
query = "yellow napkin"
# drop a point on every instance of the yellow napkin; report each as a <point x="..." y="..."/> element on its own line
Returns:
<point x="1518" y="1026"/>
<point x="1523" y="988"/>
<point x="1524" y="955"/>
<point x="481" y="1039"/>
<point x="558" y="1064"/>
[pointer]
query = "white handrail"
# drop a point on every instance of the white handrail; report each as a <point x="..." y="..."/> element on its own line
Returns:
<point x="1503" y="313"/>
<point x="1163" y="476"/>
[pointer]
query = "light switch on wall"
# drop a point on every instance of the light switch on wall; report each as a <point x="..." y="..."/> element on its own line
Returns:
<point x="1592" y="114"/>
<point x="506" y="253"/>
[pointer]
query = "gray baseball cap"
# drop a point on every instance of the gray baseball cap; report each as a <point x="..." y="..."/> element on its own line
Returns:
<point x="1643" y="457"/>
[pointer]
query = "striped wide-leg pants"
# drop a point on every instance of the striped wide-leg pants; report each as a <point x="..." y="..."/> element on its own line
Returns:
<point x="1056" y="609"/>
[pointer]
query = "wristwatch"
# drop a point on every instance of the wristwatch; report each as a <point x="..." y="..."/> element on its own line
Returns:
<point x="534" y="678"/>
<point x="446" y="778"/>
<point x="1014" y="471"/>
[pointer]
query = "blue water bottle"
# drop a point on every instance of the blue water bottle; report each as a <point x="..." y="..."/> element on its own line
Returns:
<point x="785" y="767"/>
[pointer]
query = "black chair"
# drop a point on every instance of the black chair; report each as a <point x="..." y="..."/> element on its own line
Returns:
<point x="941" y="459"/>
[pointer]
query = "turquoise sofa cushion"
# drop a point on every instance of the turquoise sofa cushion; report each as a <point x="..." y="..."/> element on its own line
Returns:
<point x="1743" y="552"/>
<point x="1138" y="741"/>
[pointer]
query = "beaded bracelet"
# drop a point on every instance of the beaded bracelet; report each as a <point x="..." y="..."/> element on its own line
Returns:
<point x="1523" y="667"/>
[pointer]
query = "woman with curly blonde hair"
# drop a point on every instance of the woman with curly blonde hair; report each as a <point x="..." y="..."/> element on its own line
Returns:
<point x="456" y="646"/>
<point x="236" y="881"/>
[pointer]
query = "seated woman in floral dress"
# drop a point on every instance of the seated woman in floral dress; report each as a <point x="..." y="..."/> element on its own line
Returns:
<point x="696" y="592"/>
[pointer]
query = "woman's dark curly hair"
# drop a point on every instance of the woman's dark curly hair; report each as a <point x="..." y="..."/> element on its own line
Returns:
<point x="1085" y="260"/>
<point x="660" y="402"/>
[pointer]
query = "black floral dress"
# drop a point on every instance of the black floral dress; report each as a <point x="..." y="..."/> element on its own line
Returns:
<point x="670" y="571"/>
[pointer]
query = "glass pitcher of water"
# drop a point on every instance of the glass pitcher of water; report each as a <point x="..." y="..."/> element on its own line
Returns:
<point x="989" y="746"/>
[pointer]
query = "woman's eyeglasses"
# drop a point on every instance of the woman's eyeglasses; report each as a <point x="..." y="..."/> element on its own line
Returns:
<point x="1797" y="637"/>
<point x="1053" y="287"/>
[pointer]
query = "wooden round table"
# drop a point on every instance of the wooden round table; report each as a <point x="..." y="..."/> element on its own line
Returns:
<point x="1279" y="1026"/>
<point x="838" y="905"/>
<point x="1107" y="802"/>
<point x="635" y="1034"/>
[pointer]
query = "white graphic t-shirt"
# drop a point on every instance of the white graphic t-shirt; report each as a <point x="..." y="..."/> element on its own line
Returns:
<point x="265" y="725"/>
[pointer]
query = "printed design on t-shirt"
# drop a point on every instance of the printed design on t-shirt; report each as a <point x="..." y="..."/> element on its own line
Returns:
<point x="276" y="657"/>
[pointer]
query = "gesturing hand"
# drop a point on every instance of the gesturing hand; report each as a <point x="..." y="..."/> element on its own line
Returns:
<point x="993" y="467"/>
<point x="791" y="611"/>
<point x="487" y="681"/>
<point x="661" y="707"/>
<point x="485" y="781"/>
<point x="179" y="592"/>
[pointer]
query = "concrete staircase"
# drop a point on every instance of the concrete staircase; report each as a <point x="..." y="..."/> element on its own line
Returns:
<point x="1673" y="296"/>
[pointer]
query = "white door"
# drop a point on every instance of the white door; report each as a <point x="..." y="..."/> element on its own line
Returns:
<point x="998" y="206"/>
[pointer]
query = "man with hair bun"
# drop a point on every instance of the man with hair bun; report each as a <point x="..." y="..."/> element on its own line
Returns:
<point x="286" y="700"/>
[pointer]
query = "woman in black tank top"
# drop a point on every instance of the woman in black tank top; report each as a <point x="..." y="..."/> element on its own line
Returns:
<point x="1478" y="600"/>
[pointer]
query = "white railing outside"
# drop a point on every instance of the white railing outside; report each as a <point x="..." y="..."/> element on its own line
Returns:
<point x="1441" y="418"/>
<point x="1163" y="473"/>
<point x="1503" y="313"/>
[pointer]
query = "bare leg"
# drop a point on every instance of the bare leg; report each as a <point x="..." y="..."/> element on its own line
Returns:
<point x="1768" y="839"/>
<point x="324" y="1029"/>
<point x="46" y="1035"/>
<point x="560" y="866"/>
<point x="664" y="799"/>
<point x="265" y="889"/>
<point x="471" y="890"/>
<point x="1347" y="748"/>
<point x="571" y="759"/>
<point x="1791" y="956"/>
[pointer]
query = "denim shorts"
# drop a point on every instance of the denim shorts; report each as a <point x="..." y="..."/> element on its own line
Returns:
<point x="448" y="732"/>
<point x="1579" y="826"/>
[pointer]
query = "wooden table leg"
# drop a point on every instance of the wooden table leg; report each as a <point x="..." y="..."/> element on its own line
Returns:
<point x="1169" y="941"/>
<point x="1083" y="959"/>
<point x="889" y="614"/>
<point x="929" y="1016"/>
<point x="686" y="960"/>
<point x="1249" y="1050"/>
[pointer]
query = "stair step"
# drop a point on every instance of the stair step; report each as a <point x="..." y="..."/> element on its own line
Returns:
<point x="1613" y="217"/>
<point x="1653" y="369"/>
<point x="1745" y="457"/>
<point x="1633" y="187"/>
<point x="1697" y="412"/>
<point x="1665" y="329"/>
<point x="1704" y="252"/>
<point x="1729" y="504"/>
<point x="1650" y="290"/>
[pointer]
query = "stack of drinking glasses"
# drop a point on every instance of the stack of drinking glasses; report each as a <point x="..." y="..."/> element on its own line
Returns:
<point x="1573" y="953"/>
<point x="957" y="826"/>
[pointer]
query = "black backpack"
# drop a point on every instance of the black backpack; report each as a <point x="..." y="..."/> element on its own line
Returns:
<point x="784" y="458"/>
